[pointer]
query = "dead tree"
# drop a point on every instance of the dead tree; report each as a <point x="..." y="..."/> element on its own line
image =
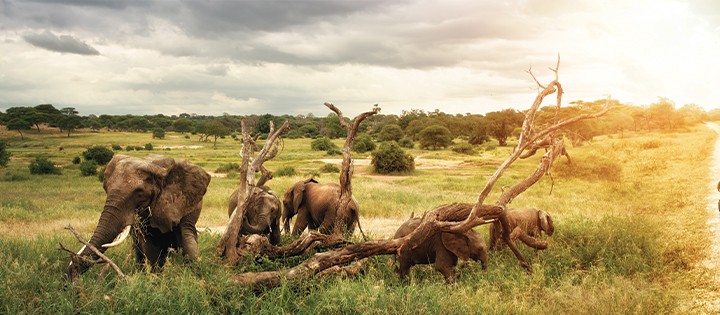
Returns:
<point x="543" y="144"/>
<point x="250" y="163"/>
<point x="453" y="218"/>
<point x="347" y="165"/>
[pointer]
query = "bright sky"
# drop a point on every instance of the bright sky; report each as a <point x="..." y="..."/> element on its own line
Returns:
<point x="288" y="57"/>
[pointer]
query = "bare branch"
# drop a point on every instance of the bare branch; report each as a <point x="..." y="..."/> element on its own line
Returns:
<point x="95" y="251"/>
<point x="529" y="71"/>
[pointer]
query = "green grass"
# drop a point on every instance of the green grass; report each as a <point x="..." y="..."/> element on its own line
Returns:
<point x="629" y="212"/>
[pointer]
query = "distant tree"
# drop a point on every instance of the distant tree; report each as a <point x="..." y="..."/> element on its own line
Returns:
<point x="69" y="111"/>
<point x="332" y="128"/>
<point x="182" y="125"/>
<point x="435" y="137"/>
<point x="28" y="114"/>
<point x="94" y="124"/>
<point x="663" y="115"/>
<point x="502" y="123"/>
<point x="158" y="133"/>
<point x="48" y="113"/>
<point x="4" y="154"/>
<point x="216" y="130"/>
<point x="363" y="143"/>
<point x="140" y="124"/>
<point x="309" y="130"/>
<point x="390" y="158"/>
<point x="692" y="114"/>
<point x="406" y="142"/>
<point x="162" y="122"/>
<point x="408" y="116"/>
<point x="263" y="123"/>
<point x="18" y="124"/>
<point x="69" y="123"/>
<point x="390" y="132"/>
<point x="99" y="154"/>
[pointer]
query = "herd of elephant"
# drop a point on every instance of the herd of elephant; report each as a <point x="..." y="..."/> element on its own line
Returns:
<point x="157" y="200"/>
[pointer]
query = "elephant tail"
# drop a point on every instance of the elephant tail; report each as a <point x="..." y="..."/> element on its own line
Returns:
<point x="357" y="218"/>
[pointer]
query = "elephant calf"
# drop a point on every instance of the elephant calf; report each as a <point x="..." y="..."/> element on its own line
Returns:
<point x="443" y="249"/>
<point x="262" y="215"/>
<point x="527" y="224"/>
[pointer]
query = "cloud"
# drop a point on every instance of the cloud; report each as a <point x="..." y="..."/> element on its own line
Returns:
<point x="61" y="44"/>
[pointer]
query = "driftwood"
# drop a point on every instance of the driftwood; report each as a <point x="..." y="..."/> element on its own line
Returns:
<point x="227" y="246"/>
<point x="76" y="258"/>
<point x="453" y="218"/>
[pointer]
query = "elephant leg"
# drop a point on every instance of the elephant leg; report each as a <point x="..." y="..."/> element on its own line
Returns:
<point x="301" y="222"/>
<point x="275" y="232"/>
<point x="445" y="263"/>
<point x="484" y="259"/>
<point x="327" y="226"/>
<point x="404" y="268"/>
<point x="519" y="233"/>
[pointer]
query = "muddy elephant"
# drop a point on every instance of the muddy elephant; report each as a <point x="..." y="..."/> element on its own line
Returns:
<point x="316" y="207"/>
<point x="262" y="215"/>
<point x="157" y="200"/>
<point x="443" y="249"/>
<point x="525" y="224"/>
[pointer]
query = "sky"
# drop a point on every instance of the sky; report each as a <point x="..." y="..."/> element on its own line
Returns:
<point x="289" y="57"/>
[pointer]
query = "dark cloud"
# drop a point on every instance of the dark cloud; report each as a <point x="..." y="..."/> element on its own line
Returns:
<point x="61" y="44"/>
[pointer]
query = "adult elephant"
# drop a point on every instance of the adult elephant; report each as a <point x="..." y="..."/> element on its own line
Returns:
<point x="316" y="206"/>
<point x="262" y="215"/>
<point x="159" y="197"/>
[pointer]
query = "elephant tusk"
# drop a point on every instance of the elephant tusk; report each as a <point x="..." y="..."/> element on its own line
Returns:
<point x="119" y="239"/>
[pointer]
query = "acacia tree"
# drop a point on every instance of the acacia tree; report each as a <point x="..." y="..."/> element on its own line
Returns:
<point x="454" y="218"/>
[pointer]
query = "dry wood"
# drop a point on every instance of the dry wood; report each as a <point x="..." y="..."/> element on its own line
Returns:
<point x="76" y="258"/>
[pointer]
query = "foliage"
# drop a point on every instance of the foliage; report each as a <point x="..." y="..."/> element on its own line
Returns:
<point x="322" y="144"/>
<point x="76" y="160"/>
<point x="99" y="154"/>
<point x="227" y="168"/>
<point x="334" y="151"/>
<point x="502" y="123"/>
<point x="4" y="154"/>
<point x="464" y="148"/>
<point x="101" y="174"/>
<point x="285" y="171"/>
<point x="390" y="132"/>
<point x="216" y="130"/>
<point x="116" y="147"/>
<point x="42" y="165"/>
<point x="391" y="158"/>
<point x="406" y="142"/>
<point x="88" y="168"/>
<point x="435" y="137"/>
<point x="329" y="168"/>
<point x="158" y="133"/>
<point x="148" y="146"/>
<point x="18" y="124"/>
<point x="182" y="125"/>
<point x="363" y="143"/>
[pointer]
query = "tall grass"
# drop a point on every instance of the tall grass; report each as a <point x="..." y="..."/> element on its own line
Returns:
<point x="629" y="215"/>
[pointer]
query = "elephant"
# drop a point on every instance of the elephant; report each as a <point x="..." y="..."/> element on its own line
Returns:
<point x="158" y="200"/>
<point x="527" y="224"/>
<point x="316" y="207"/>
<point x="262" y="215"/>
<point x="443" y="249"/>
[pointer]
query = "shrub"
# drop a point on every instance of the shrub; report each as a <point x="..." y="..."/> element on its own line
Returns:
<point x="406" y="142"/>
<point x="42" y="165"/>
<point x="148" y="146"/>
<point x="478" y="138"/>
<point x="322" y="144"/>
<point x="4" y="154"/>
<point x="187" y="136"/>
<point x="138" y="148"/>
<point x="76" y="160"/>
<point x="391" y="158"/>
<point x="227" y="168"/>
<point x="101" y="173"/>
<point x="285" y="171"/>
<point x="88" y="168"/>
<point x="329" y="168"/>
<point x="334" y="151"/>
<point x="464" y="148"/>
<point x="116" y="147"/>
<point x="129" y="148"/>
<point x="158" y="133"/>
<point x="363" y="143"/>
<point x="100" y="155"/>
<point x="435" y="137"/>
<point x="390" y="132"/>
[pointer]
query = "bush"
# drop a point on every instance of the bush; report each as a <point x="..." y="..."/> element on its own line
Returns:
<point x="390" y="132"/>
<point x="101" y="173"/>
<point x="464" y="148"/>
<point x="148" y="146"/>
<point x="329" y="168"/>
<point x="285" y="171"/>
<point x="391" y="158"/>
<point x="435" y="137"/>
<point x="129" y="148"/>
<point x="4" y="154"/>
<point x="363" y="143"/>
<point x="227" y="168"/>
<point x="322" y="144"/>
<point x="406" y="142"/>
<point x="158" y="133"/>
<point x="100" y="155"/>
<point x="42" y="165"/>
<point x="478" y="138"/>
<point x="13" y="177"/>
<point x="334" y="151"/>
<point x="116" y="147"/>
<point x="88" y="168"/>
<point x="76" y="160"/>
<point x="187" y="136"/>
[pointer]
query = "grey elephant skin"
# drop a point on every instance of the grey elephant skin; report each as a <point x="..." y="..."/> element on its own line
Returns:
<point x="316" y="206"/>
<point x="262" y="215"/>
<point x="443" y="249"/>
<point x="160" y="198"/>
<point x="527" y="224"/>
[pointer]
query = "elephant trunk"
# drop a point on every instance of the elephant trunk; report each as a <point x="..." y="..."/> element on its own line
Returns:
<point x="111" y="224"/>
<point x="259" y="228"/>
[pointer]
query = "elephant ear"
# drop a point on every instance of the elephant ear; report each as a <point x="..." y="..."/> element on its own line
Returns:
<point x="458" y="244"/>
<point x="182" y="189"/>
<point x="298" y="194"/>
<point x="546" y="223"/>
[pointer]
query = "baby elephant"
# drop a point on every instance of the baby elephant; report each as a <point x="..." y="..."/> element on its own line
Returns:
<point x="526" y="224"/>
<point x="262" y="215"/>
<point x="443" y="249"/>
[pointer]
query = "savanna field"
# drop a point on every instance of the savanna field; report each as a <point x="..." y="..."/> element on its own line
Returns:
<point x="629" y="212"/>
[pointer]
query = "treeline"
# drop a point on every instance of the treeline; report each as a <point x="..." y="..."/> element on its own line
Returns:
<point x="476" y="128"/>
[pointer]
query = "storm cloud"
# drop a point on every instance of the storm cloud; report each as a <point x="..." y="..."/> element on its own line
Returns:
<point x="61" y="44"/>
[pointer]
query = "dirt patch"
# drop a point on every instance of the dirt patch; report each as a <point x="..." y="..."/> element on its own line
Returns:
<point x="179" y="147"/>
<point x="220" y="175"/>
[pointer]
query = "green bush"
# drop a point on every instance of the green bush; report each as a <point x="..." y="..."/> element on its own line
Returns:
<point x="42" y="165"/>
<point x="391" y="158"/>
<point x="4" y="154"/>
<point x="227" y="168"/>
<point x="158" y="133"/>
<point x="435" y="137"/>
<point x="322" y="144"/>
<point x="329" y="168"/>
<point x="129" y="148"/>
<point x="406" y="142"/>
<point x="148" y="146"/>
<point x="187" y="136"/>
<point x="101" y="173"/>
<point x="76" y="160"/>
<point x="116" y="147"/>
<point x="363" y="143"/>
<point x="99" y="154"/>
<point x="334" y="151"/>
<point x="88" y="168"/>
<point x="285" y="171"/>
<point x="390" y="132"/>
<point x="464" y="148"/>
